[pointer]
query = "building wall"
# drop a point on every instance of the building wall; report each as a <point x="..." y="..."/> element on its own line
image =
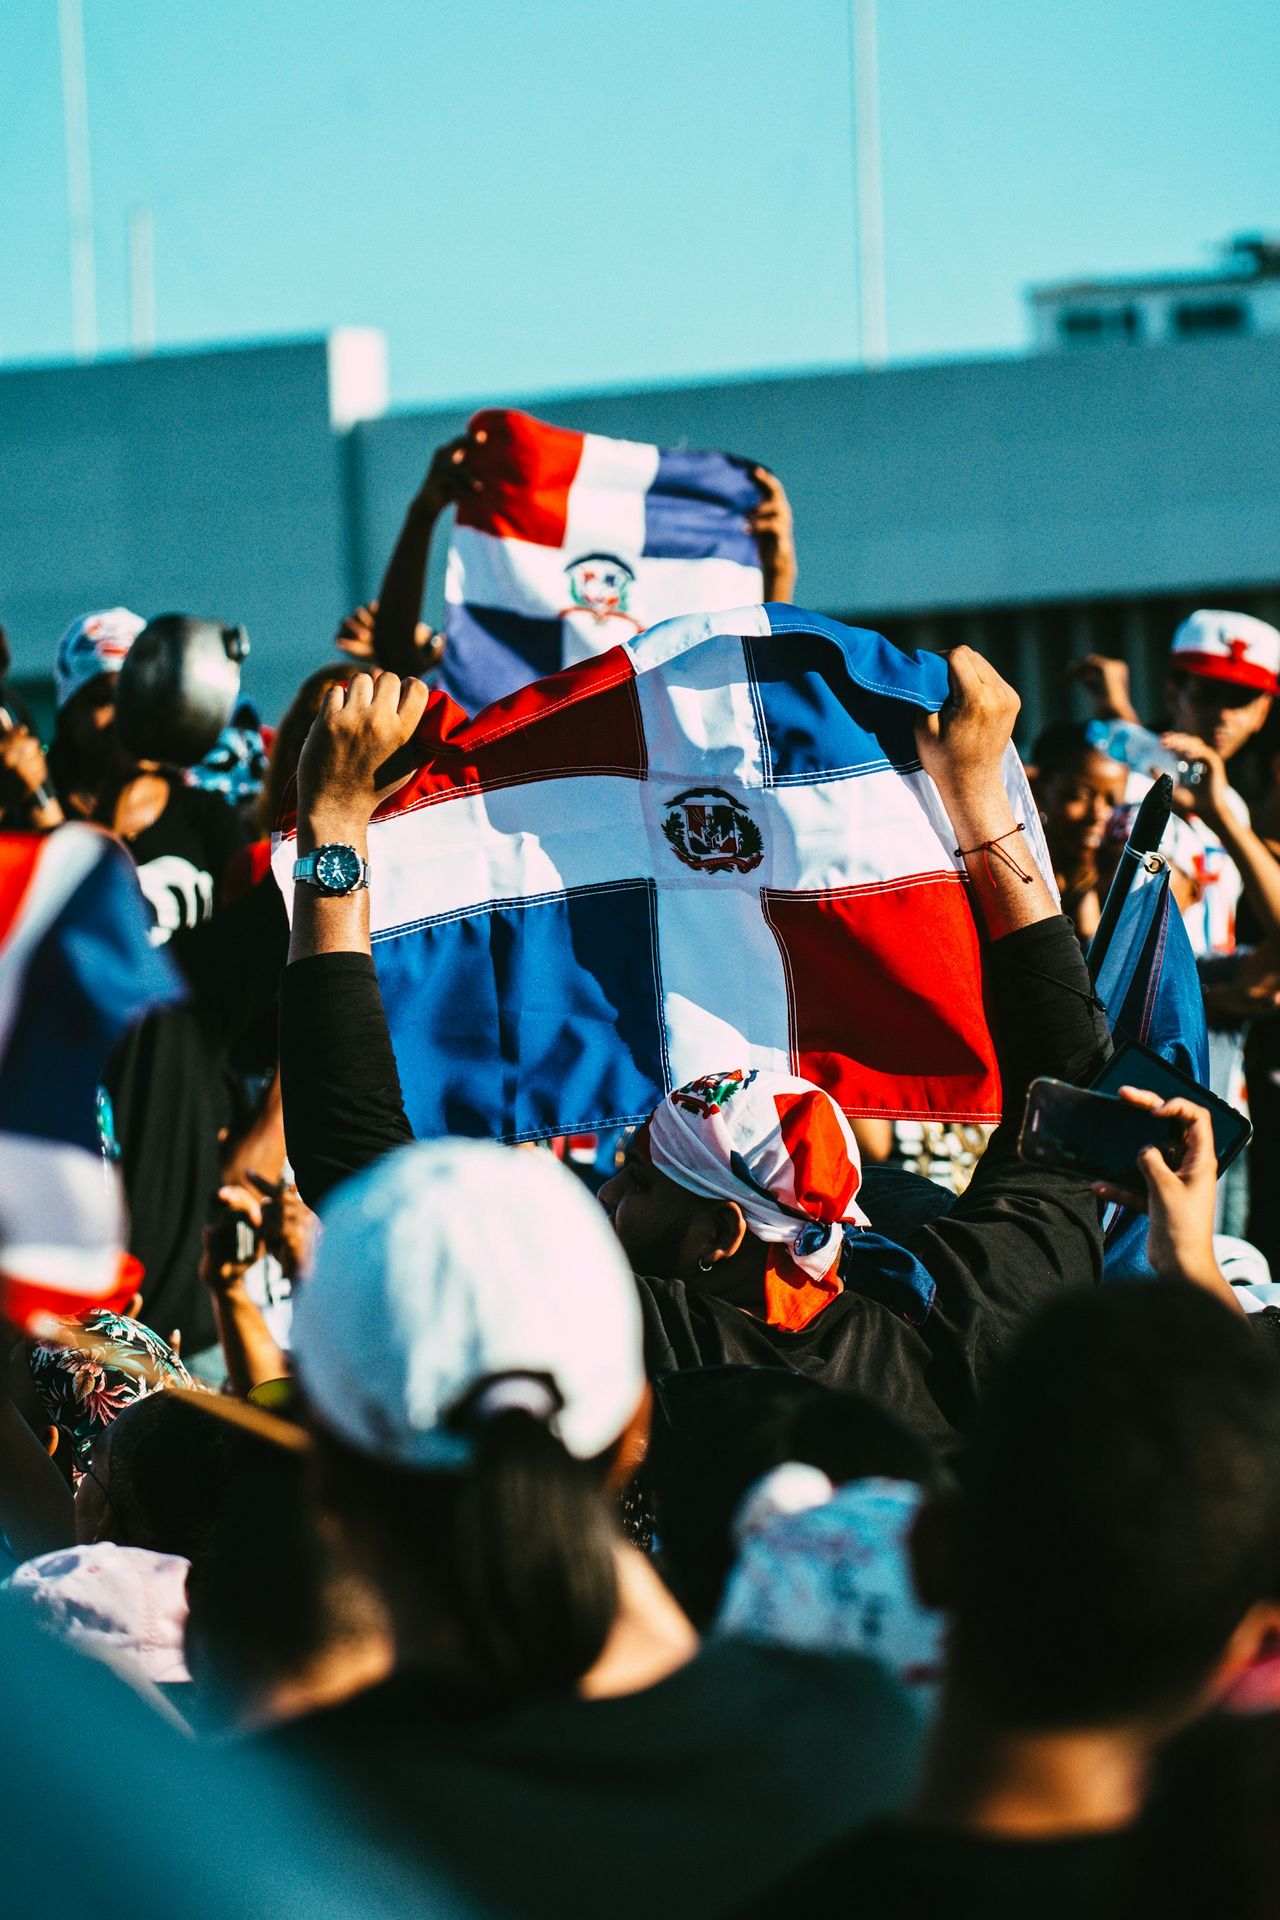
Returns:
<point x="1039" y="507"/>
<point x="207" y="483"/>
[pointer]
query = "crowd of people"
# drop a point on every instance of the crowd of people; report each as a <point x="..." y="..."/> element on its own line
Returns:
<point x="794" y="1521"/>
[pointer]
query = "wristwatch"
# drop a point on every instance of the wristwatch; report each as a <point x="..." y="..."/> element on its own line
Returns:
<point x="333" y="869"/>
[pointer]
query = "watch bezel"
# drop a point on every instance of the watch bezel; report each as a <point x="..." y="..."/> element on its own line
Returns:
<point x="327" y="852"/>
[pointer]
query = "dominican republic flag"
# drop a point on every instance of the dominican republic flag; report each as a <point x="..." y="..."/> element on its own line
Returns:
<point x="577" y="543"/>
<point x="711" y="848"/>
<point x="77" y="968"/>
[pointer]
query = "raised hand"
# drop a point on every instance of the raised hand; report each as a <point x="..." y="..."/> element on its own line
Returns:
<point x="963" y="745"/>
<point x="771" y="524"/>
<point x="1179" y="1200"/>
<point x="347" y="764"/>
<point x="450" y="476"/>
<point x="1106" y="683"/>
<point x="355" y="637"/>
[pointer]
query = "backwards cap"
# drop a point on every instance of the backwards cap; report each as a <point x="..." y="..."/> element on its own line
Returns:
<point x="96" y="643"/>
<point x="1229" y="646"/>
<point x="456" y="1265"/>
<point x="782" y="1151"/>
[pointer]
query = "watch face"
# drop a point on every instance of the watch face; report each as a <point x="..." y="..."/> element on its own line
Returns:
<point x="337" y="869"/>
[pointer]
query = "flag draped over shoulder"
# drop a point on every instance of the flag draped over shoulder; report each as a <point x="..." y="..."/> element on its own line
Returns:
<point x="577" y="542"/>
<point x="711" y="848"/>
<point x="77" y="968"/>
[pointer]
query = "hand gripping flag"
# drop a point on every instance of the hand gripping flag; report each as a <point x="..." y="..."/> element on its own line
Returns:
<point x="577" y="542"/>
<point x="711" y="848"/>
<point x="76" y="969"/>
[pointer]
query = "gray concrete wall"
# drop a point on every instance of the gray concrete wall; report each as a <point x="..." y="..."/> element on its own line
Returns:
<point x="213" y="482"/>
<point x="1119" y="473"/>
<point x="208" y="483"/>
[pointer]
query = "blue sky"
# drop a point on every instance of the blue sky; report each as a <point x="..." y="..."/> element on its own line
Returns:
<point x="533" y="197"/>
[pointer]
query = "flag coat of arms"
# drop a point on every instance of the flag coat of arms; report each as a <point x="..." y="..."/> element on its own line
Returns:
<point x="711" y="848"/>
<point x="577" y="542"/>
<point x="77" y="968"/>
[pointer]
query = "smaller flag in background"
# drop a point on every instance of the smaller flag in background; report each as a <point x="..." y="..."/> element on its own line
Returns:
<point x="577" y="543"/>
<point x="77" y="968"/>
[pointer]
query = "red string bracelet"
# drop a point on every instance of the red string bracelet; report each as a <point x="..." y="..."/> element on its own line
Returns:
<point x="987" y="847"/>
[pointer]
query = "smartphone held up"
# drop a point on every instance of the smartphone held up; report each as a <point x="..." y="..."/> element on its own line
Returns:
<point x="1096" y="1135"/>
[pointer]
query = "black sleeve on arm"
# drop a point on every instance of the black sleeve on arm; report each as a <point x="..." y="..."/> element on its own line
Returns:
<point x="1046" y="1016"/>
<point x="1021" y="1234"/>
<point x="338" y="1079"/>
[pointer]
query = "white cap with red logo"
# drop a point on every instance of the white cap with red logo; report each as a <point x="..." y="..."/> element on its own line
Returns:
<point x="96" y="643"/>
<point x="1228" y="646"/>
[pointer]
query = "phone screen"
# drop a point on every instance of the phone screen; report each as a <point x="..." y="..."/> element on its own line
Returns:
<point x="1137" y="1066"/>
<point x="1085" y="1131"/>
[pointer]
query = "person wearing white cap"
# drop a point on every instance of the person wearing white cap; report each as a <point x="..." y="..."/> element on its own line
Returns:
<point x="470" y="1351"/>
<point x="1224" y="672"/>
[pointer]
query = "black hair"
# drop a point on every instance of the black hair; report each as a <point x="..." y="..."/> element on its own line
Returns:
<point x="720" y="1429"/>
<point x="1120" y="1508"/>
<point x="1062" y="747"/>
<point x="169" y="1467"/>
<point x="269" y="1592"/>
<point x="513" y="1554"/>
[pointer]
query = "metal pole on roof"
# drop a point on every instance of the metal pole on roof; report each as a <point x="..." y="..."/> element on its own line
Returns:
<point x="75" y="125"/>
<point x="142" y="281"/>
<point x="870" y="197"/>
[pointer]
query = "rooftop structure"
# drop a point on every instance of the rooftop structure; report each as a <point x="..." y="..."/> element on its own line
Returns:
<point x="1239" y="296"/>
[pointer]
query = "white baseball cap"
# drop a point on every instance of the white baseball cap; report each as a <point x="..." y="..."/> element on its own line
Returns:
<point x="95" y="643"/>
<point x="125" y="1605"/>
<point x="455" y="1263"/>
<point x="1229" y="646"/>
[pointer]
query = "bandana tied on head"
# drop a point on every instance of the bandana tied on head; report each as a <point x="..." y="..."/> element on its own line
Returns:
<point x="783" y="1152"/>
<point x="86" y="1383"/>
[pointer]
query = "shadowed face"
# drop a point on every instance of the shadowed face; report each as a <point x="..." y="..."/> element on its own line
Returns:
<point x="1218" y="712"/>
<point x="662" y="1228"/>
<point x="1077" y="804"/>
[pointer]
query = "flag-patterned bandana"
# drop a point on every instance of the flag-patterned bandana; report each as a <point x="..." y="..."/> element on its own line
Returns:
<point x="783" y="1152"/>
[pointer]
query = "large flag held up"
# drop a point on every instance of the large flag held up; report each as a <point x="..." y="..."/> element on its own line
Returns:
<point x="713" y="847"/>
<point x="577" y="542"/>
<point x="77" y="968"/>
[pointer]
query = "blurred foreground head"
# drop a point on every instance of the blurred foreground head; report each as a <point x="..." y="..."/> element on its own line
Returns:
<point x="1117" y="1540"/>
<point x="470" y="1349"/>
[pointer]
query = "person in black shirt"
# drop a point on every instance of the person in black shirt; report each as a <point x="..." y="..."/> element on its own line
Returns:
<point x="1111" y="1562"/>
<point x="1020" y="1235"/>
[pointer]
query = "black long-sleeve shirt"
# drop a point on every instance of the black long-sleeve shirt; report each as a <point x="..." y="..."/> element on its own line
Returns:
<point x="1018" y="1237"/>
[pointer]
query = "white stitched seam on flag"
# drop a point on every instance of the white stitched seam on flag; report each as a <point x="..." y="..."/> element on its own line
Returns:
<point x="522" y="779"/>
<point x="503" y="902"/>
<point x="655" y="950"/>
<point x="882" y="765"/>
<point x="793" y="1049"/>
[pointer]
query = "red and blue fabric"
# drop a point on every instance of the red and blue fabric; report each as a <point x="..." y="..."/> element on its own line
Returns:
<point x="576" y="542"/>
<point x="713" y="846"/>
<point x="77" y="967"/>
